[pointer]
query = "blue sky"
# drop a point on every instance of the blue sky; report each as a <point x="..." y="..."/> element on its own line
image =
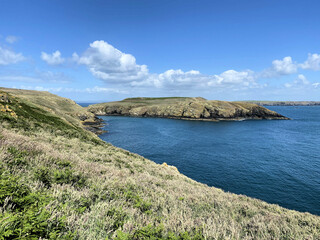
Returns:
<point x="93" y="51"/>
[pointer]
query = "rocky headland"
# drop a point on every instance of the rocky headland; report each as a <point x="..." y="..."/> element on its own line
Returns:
<point x="185" y="108"/>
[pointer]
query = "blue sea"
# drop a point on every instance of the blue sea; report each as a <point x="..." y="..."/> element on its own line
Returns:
<point x="277" y="161"/>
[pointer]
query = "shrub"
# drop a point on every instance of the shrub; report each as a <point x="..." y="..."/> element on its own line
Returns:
<point x="157" y="233"/>
<point x="19" y="157"/>
<point x="66" y="176"/>
<point x="25" y="215"/>
<point x="138" y="202"/>
<point x="119" y="217"/>
<point x="44" y="175"/>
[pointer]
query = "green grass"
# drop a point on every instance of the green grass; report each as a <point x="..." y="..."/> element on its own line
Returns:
<point x="58" y="181"/>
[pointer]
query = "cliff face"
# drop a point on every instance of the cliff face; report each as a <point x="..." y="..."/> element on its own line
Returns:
<point x="185" y="108"/>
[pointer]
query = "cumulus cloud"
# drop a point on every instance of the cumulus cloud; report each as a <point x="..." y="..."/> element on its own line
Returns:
<point x="285" y="66"/>
<point x="194" y="79"/>
<point x="280" y="67"/>
<point x="115" y="67"/>
<point x="313" y="62"/>
<point x="11" y="39"/>
<point x="300" y="81"/>
<point x="234" y="77"/>
<point x="8" y="56"/>
<point x="52" y="59"/>
<point x="110" y="64"/>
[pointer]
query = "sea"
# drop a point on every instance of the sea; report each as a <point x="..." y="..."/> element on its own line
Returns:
<point x="277" y="161"/>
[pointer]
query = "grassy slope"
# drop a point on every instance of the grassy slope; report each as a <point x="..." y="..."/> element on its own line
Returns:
<point x="63" y="107"/>
<point x="59" y="181"/>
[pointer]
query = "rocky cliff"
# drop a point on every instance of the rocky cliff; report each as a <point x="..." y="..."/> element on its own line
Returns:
<point x="185" y="108"/>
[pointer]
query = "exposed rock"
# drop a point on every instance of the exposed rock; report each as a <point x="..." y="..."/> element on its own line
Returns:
<point x="94" y="125"/>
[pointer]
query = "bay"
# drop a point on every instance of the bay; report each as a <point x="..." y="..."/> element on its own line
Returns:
<point x="277" y="161"/>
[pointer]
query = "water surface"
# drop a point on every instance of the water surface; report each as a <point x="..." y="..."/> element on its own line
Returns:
<point x="274" y="160"/>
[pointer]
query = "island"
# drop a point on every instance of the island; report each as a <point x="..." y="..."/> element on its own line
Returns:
<point x="185" y="108"/>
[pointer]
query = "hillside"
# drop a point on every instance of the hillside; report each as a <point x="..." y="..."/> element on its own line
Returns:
<point x="59" y="181"/>
<point x="63" y="107"/>
<point x="184" y="108"/>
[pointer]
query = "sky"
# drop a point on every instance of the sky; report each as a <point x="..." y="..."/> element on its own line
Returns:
<point x="106" y="50"/>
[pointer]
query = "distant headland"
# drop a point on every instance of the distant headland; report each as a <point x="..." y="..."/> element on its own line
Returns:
<point x="286" y="103"/>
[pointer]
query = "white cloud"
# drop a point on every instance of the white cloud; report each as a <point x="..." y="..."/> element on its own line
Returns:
<point x="52" y="59"/>
<point x="177" y="78"/>
<point x="11" y="39"/>
<point x="316" y="85"/>
<point x="172" y="79"/>
<point x="313" y="62"/>
<point x="37" y="76"/>
<point x="53" y="77"/>
<point x="110" y="64"/>
<point x="234" y="77"/>
<point x="97" y="89"/>
<point x="8" y="56"/>
<point x="279" y="68"/>
<point x="300" y="82"/>
<point x="19" y="79"/>
<point x="119" y="69"/>
<point x="284" y="66"/>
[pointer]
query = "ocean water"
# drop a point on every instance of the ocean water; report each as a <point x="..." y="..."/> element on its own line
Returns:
<point x="277" y="161"/>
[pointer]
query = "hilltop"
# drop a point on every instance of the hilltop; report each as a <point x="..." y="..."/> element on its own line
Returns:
<point x="184" y="108"/>
<point x="60" y="181"/>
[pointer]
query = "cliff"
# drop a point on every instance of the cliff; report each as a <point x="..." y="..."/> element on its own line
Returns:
<point x="184" y="108"/>
<point x="60" y="181"/>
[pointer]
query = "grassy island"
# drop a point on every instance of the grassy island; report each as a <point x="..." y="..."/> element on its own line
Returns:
<point x="184" y="108"/>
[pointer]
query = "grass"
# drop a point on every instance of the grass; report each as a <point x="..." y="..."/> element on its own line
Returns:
<point x="59" y="181"/>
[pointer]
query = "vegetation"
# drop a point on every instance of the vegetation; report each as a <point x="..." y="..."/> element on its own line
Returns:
<point x="184" y="108"/>
<point x="58" y="181"/>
